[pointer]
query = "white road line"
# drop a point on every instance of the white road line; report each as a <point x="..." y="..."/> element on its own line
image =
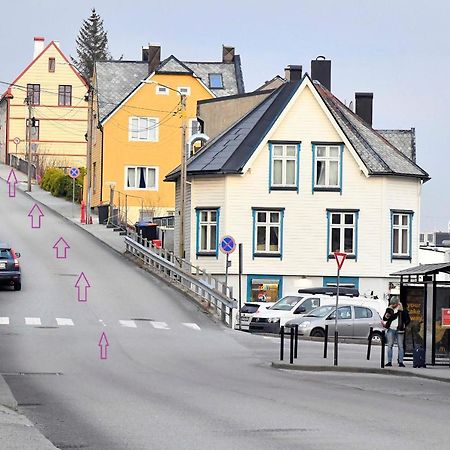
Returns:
<point x="194" y="326"/>
<point x="160" y="325"/>
<point x="32" y="321"/>
<point x="4" y="320"/>
<point x="128" y="323"/>
<point x="64" y="322"/>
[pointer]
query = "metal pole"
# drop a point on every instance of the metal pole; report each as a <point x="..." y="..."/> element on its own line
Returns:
<point x="29" y="104"/>
<point x="282" y="343"/>
<point x="89" y="153"/>
<point x="369" y="344"/>
<point x="383" y="345"/>
<point x="325" y="343"/>
<point x="336" y="321"/>
<point x="226" y="270"/>
<point x="240" y="283"/>
<point x="296" y="342"/>
<point x="183" y="174"/>
<point x="126" y="214"/>
<point x="291" y="354"/>
<point x="335" y="348"/>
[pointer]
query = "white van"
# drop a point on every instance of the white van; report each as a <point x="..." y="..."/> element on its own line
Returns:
<point x="291" y="306"/>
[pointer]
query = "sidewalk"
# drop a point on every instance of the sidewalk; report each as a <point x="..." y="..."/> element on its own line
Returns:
<point x="352" y="358"/>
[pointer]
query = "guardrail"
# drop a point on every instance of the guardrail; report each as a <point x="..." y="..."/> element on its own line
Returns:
<point x="185" y="276"/>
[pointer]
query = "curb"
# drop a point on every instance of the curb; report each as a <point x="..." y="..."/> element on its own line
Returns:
<point x="352" y="369"/>
<point x="6" y="396"/>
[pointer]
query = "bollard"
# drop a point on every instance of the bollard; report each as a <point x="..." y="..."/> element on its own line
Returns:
<point x="336" y="336"/>
<point x="296" y="342"/>
<point x="369" y="344"/>
<point x="282" y="343"/>
<point x="325" y="343"/>
<point x="383" y="345"/>
<point x="291" y="353"/>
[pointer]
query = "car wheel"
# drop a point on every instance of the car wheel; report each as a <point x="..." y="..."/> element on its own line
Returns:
<point x="376" y="336"/>
<point x="317" y="332"/>
<point x="18" y="286"/>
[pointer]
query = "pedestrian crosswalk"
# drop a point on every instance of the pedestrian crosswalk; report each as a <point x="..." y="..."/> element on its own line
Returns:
<point x="122" y="323"/>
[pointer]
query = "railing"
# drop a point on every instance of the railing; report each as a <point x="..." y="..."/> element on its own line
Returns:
<point x="203" y="286"/>
<point x="22" y="165"/>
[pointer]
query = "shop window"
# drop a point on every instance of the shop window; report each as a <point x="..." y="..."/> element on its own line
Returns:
<point x="264" y="288"/>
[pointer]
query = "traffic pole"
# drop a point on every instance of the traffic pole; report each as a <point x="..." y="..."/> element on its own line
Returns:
<point x="336" y="321"/>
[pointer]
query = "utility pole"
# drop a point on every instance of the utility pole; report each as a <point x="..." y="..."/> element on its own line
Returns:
<point x="29" y="102"/>
<point x="89" y="153"/>
<point x="183" y="174"/>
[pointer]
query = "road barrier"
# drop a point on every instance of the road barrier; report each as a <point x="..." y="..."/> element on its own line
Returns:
<point x="383" y="347"/>
<point x="184" y="276"/>
<point x="325" y="343"/>
<point x="369" y="344"/>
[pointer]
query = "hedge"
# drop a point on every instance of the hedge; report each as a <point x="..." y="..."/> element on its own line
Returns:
<point x="60" y="184"/>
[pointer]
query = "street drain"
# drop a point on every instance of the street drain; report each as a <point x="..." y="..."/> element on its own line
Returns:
<point x="69" y="446"/>
<point x="67" y="274"/>
<point x="47" y="328"/>
<point x="142" y="319"/>
<point x="12" y="374"/>
<point x="24" y="405"/>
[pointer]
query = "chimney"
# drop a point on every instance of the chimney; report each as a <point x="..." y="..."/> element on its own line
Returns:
<point x="227" y="54"/>
<point x="38" y="46"/>
<point x="364" y="106"/>
<point x="293" y="73"/>
<point x="152" y="54"/>
<point x="321" y="71"/>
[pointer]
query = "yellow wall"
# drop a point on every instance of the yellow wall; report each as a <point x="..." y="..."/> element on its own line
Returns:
<point x="61" y="128"/>
<point x="119" y="151"/>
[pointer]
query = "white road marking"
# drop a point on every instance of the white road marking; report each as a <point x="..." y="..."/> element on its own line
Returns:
<point x="32" y="321"/>
<point x="64" y="322"/>
<point x="194" y="326"/>
<point x="128" y="323"/>
<point x="160" y="325"/>
<point x="101" y="321"/>
<point x="4" y="320"/>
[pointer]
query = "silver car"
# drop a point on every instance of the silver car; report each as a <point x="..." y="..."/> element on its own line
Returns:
<point x="353" y="321"/>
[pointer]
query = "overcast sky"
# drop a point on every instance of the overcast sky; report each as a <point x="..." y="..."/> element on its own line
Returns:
<point x="397" y="49"/>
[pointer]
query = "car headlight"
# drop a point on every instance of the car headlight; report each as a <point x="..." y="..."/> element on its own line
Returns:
<point x="273" y="320"/>
<point x="305" y="324"/>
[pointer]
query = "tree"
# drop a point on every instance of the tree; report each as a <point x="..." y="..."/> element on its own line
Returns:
<point x="92" y="45"/>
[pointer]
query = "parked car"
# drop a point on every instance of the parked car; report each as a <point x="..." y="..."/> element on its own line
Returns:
<point x="353" y="321"/>
<point x="10" y="267"/>
<point x="248" y="310"/>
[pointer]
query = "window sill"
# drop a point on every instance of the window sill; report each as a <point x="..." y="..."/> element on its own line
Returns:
<point x="208" y="254"/>
<point x="405" y="257"/>
<point x="327" y="189"/>
<point x="331" y="256"/>
<point x="284" y="188"/>
<point x="267" y="255"/>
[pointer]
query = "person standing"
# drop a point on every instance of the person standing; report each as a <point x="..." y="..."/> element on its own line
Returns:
<point x="395" y="319"/>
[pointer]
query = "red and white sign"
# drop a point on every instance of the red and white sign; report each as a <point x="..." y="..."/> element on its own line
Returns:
<point x="340" y="258"/>
<point x="446" y="317"/>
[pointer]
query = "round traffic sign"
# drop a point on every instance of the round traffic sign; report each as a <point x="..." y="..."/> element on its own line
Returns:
<point x="74" y="172"/>
<point x="227" y="245"/>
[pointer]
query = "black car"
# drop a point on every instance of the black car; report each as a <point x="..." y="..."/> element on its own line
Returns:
<point x="10" y="267"/>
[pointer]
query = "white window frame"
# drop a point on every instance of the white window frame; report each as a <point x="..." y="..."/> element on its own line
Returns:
<point x="342" y="226"/>
<point x="161" y="90"/>
<point x="268" y="225"/>
<point x="402" y="229"/>
<point x="327" y="159"/>
<point x="152" y="131"/>
<point x="135" y="188"/>
<point x="284" y="158"/>
<point x="208" y="223"/>
<point x="186" y="88"/>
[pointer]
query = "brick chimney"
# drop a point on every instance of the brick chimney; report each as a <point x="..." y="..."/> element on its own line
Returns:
<point x="293" y="73"/>
<point x="152" y="54"/>
<point x="38" y="45"/>
<point x="321" y="71"/>
<point x="364" y="106"/>
<point x="227" y="54"/>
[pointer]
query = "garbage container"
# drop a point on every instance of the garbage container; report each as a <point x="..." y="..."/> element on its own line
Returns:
<point x="148" y="230"/>
<point x="103" y="213"/>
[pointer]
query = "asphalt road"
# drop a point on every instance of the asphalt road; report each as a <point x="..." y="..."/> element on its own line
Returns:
<point x="173" y="378"/>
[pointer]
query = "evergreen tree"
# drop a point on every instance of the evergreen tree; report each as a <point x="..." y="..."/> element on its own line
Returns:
<point x="92" y="45"/>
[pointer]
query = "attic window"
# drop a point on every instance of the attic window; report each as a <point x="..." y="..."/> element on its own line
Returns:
<point x="215" y="81"/>
<point x="51" y="64"/>
<point x="184" y="90"/>
<point x="161" y="90"/>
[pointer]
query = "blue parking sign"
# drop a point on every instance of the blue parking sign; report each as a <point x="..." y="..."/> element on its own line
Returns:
<point x="227" y="245"/>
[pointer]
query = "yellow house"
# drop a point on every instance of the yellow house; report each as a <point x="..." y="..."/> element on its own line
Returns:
<point x="58" y="109"/>
<point x="138" y="139"/>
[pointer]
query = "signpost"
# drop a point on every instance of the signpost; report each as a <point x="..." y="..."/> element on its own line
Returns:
<point x="340" y="258"/>
<point x="74" y="173"/>
<point x="227" y="246"/>
<point x="16" y="141"/>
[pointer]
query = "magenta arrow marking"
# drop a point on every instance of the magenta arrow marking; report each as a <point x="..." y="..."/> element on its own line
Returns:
<point x="61" y="247"/>
<point x="103" y="344"/>
<point x="82" y="286"/>
<point x="12" y="181"/>
<point x="36" y="215"/>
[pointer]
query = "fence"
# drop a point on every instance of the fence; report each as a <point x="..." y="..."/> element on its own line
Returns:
<point x="22" y="165"/>
<point x="199" y="284"/>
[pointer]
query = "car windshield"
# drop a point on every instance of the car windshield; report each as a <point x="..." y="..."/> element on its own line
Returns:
<point x="286" y="303"/>
<point x="322" y="311"/>
<point x="250" y="309"/>
<point x="5" y="253"/>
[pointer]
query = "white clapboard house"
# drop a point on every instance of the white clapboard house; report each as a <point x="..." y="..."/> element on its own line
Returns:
<point x="298" y="177"/>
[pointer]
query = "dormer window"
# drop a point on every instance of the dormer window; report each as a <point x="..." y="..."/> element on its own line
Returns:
<point x="215" y="81"/>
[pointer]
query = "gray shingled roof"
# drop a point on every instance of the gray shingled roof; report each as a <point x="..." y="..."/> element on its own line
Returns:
<point x="229" y="152"/>
<point x="116" y="80"/>
<point x="424" y="269"/>
<point x="404" y="140"/>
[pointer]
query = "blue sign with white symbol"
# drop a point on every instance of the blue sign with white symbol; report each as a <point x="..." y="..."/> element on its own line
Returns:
<point x="74" y="172"/>
<point x="227" y="245"/>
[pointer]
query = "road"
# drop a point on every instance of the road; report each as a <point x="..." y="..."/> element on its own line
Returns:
<point x="173" y="378"/>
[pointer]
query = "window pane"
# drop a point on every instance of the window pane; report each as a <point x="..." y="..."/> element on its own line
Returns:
<point x="204" y="216"/>
<point x="405" y="242"/>
<point x="274" y="231"/>
<point x="261" y="217"/>
<point x="335" y="218"/>
<point x="404" y="220"/>
<point x="334" y="152"/>
<point x="151" y="180"/>
<point x="203" y="237"/>
<point x="278" y="172"/>
<point x="335" y="239"/>
<point x="142" y="174"/>
<point x="134" y="128"/>
<point x="349" y="219"/>
<point x="396" y="219"/>
<point x="291" y="150"/>
<point x="215" y="80"/>
<point x="212" y="237"/>
<point x="278" y="150"/>
<point x="348" y="240"/>
<point x="320" y="176"/>
<point x="334" y="173"/>
<point x="143" y="129"/>
<point x="131" y="178"/>
<point x="152" y="126"/>
<point x="290" y="172"/>
<point x="321" y="151"/>
<point x="274" y="217"/>
<point x="261" y="238"/>
<point x="213" y="216"/>
<point x="396" y="242"/>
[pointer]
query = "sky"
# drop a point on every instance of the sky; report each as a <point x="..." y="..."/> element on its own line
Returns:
<point x="397" y="49"/>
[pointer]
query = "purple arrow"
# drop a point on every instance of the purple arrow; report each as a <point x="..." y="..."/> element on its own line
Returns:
<point x="103" y="344"/>
<point x="12" y="181"/>
<point x="61" y="247"/>
<point x="82" y="286"/>
<point x="36" y="215"/>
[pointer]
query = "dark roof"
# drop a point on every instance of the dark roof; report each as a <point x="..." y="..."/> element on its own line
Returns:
<point x="404" y="140"/>
<point x="424" y="269"/>
<point x="229" y="152"/>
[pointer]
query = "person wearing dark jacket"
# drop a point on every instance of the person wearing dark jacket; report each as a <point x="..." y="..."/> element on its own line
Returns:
<point x="395" y="319"/>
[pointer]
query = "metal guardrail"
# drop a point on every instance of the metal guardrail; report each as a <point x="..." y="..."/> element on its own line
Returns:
<point x="216" y="293"/>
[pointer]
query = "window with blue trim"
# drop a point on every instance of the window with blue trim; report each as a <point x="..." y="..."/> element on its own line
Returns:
<point x="207" y="231"/>
<point x="267" y="232"/>
<point x="401" y="234"/>
<point x="284" y="166"/>
<point x="327" y="167"/>
<point x="342" y="232"/>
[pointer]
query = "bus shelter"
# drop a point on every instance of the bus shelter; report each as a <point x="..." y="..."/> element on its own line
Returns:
<point x="425" y="293"/>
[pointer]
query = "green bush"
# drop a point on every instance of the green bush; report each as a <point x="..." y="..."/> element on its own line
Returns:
<point x="49" y="176"/>
<point x="61" y="185"/>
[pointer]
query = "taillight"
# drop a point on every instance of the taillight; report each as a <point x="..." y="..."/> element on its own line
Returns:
<point x="16" y="261"/>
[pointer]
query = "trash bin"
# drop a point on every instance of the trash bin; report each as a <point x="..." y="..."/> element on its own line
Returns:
<point x="103" y="213"/>
<point x="148" y="230"/>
